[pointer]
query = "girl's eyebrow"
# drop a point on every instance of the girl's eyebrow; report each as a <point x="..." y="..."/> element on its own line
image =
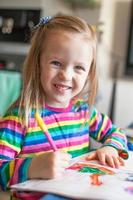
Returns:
<point x="54" y="57"/>
<point x="81" y="63"/>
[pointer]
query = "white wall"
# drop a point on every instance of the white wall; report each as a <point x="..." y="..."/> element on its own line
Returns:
<point x="53" y="7"/>
<point x="49" y="7"/>
<point x="123" y="106"/>
<point x="20" y="3"/>
<point x="103" y="101"/>
<point x="124" y="103"/>
<point x="90" y="15"/>
<point x="115" y="16"/>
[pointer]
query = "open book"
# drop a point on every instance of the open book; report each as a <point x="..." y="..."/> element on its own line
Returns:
<point x="77" y="182"/>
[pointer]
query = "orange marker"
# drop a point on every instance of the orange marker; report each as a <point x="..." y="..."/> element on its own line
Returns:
<point x="95" y="179"/>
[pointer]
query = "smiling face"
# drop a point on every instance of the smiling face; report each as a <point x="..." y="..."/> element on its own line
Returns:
<point x="65" y="63"/>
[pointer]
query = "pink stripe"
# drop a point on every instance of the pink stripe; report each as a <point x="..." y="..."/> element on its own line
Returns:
<point x="60" y="144"/>
<point x="10" y="125"/>
<point x="113" y="142"/>
<point x="7" y="151"/>
<point x="119" y="135"/>
<point x="36" y="148"/>
<point x="11" y="121"/>
<point x="18" y="163"/>
<point x="94" y="126"/>
<point x="74" y="139"/>
<point x="61" y="117"/>
<point x="105" y="129"/>
<point x="72" y="143"/>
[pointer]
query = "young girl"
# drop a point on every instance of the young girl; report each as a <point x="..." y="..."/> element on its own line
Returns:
<point x="59" y="70"/>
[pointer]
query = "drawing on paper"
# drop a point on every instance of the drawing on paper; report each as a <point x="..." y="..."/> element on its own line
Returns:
<point x="91" y="168"/>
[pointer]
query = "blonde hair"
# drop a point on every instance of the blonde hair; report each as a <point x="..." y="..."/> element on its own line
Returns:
<point x="32" y="95"/>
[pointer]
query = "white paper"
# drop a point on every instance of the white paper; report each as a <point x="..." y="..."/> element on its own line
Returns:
<point x="75" y="184"/>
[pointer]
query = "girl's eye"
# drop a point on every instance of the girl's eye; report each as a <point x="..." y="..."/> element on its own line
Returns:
<point x="79" y="68"/>
<point x="56" y="63"/>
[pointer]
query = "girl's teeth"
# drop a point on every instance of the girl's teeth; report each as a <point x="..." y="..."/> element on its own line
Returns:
<point x="61" y="88"/>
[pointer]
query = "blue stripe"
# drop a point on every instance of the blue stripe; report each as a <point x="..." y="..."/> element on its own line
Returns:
<point x="23" y="170"/>
<point x="5" y="157"/>
<point x="35" y="137"/>
<point x="71" y="135"/>
<point x="75" y="131"/>
<point x="29" y="143"/>
<point x="56" y="136"/>
<point x="10" y="133"/>
<point x="3" y="178"/>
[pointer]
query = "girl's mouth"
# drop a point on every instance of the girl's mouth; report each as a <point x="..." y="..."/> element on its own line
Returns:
<point x="62" y="88"/>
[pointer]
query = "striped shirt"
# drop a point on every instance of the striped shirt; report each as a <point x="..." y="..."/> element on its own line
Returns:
<point x="70" y="128"/>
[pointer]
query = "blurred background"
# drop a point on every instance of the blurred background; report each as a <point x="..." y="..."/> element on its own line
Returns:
<point x="113" y="21"/>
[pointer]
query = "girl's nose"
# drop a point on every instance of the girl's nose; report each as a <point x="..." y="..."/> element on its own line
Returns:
<point x="66" y="74"/>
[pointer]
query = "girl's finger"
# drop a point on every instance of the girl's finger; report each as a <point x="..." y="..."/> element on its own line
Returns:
<point x="110" y="161"/>
<point x="116" y="162"/>
<point x="91" y="156"/>
<point x="101" y="158"/>
<point x="121" y="161"/>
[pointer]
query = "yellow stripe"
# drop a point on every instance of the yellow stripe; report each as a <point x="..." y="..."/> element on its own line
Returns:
<point x="54" y="125"/>
<point x="12" y="163"/>
<point x="70" y="122"/>
<point x="92" y="120"/>
<point x="77" y="147"/>
<point x="102" y="128"/>
<point x="33" y="129"/>
<point x="2" y="142"/>
<point x="13" y="118"/>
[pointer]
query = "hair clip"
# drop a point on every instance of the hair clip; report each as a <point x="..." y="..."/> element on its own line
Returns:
<point x="43" y="21"/>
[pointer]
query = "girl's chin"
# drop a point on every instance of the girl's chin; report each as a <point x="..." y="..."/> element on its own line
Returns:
<point x="58" y="104"/>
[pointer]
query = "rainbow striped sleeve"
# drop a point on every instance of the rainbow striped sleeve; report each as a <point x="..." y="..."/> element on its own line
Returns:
<point x="11" y="137"/>
<point x="102" y="130"/>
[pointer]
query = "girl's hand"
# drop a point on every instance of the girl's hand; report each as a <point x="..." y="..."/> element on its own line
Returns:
<point x="107" y="155"/>
<point x="49" y="165"/>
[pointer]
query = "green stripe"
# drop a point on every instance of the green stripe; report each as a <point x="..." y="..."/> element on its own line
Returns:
<point x="53" y="129"/>
<point x="34" y="133"/>
<point x="13" y="112"/>
<point x="24" y="169"/>
<point x="11" y="142"/>
<point x="78" y="152"/>
<point x="6" y="174"/>
<point x="65" y="127"/>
